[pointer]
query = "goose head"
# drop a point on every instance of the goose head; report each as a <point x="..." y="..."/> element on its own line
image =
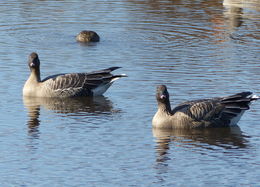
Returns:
<point x="162" y="95"/>
<point x="34" y="62"/>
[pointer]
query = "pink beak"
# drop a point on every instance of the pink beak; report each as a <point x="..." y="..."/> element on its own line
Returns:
<point x="163" y="97"/>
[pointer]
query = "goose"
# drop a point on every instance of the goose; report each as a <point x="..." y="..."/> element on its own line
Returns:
<point x="67" y="84"/>
<point x="87" y="36"/>
<point x="214" y="112"/>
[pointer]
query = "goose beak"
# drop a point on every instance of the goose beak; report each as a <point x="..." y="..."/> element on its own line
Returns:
<point x="32" y="64"/>
<point x="163" y="96"/>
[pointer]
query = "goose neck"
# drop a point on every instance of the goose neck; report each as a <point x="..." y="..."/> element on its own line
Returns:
<point x="35" y="75"/>
<point x="165" y="107"/>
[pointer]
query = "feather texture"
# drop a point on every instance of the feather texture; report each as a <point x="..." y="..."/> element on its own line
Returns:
<point x="69" y="84"/>
<point x="214" y="112"/>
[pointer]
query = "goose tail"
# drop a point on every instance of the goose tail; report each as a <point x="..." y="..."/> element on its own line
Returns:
<point x="101" y="80"/>
<point x="104" y="71"/>
<point x="115" y="77"/>
<point x="236" y="105"/>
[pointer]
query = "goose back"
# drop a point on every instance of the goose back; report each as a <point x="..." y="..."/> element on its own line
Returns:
<point x="213" y="112"/>
<point x="68" y="84"/>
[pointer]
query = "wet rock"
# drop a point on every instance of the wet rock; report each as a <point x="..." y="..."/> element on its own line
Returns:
<point x="87" y="36"/>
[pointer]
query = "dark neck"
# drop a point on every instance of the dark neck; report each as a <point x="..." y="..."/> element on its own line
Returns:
<point x="35" y="73"/>
<point x="165" y="107"/>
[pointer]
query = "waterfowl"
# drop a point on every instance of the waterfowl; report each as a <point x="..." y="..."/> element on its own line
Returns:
<point x="87" y="36"/>
<point x="214" y="112"/>
<point x="67" y="84"/>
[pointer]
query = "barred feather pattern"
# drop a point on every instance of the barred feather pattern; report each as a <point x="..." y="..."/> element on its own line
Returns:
<point x="214" y="112"/>
<point x="67" y="85"/>
<point x="77" y="84"/>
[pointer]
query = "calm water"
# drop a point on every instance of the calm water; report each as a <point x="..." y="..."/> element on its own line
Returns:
<point x="197" y="48"/>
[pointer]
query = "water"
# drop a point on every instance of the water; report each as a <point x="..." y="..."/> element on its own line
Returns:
<point x="199" y="49"/>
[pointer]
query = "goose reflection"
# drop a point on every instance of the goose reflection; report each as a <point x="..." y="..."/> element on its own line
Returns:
<point x="252" y="4"/>
<point x="233" y="15"/>
<point x="33" y="121"/>
<point x="87" y="106"/>
<point x="226" y="138"/>
<point x="234" y="11"/>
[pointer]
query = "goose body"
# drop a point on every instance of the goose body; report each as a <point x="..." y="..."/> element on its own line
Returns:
<point x="67" y="84"/>
<point x="214" y="112"/>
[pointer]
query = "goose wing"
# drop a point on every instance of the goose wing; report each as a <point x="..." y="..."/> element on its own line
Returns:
<point x="79" y="84"/>
<point x="201" y="110"/>
<point x="221" y="111"/>
<point x="235" y="105"/>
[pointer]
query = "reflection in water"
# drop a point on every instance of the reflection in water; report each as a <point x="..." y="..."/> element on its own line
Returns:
<point x="176" y="42"/>
<point x="233" y="15"/>
<point x="33" y="122"/>
<point x="87" y="106"/>
<point x="236" y="10"/>
<point x="227" y="138"/>
<point x="252" y="4"/>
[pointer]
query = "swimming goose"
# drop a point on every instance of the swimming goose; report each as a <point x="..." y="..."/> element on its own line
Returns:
<point x="215" y="112"/>
<point x="69" y="84"/>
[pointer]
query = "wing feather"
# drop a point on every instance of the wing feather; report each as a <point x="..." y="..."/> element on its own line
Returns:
<point x="216" y="110"/>
<point x="79" y="84"/>
<point x="76" y="84"/>
<point x="199" y="110"/>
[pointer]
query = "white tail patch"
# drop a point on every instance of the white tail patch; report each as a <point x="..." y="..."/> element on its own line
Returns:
<point x="114" y="79"/>
<point x="101" y="89"/>
<point x="235" y="120"/>
<point x="255" y="97"/>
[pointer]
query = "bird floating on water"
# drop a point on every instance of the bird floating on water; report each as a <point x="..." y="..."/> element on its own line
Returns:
<point x="68" y="84"/>
<point x="214" y="112"/>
